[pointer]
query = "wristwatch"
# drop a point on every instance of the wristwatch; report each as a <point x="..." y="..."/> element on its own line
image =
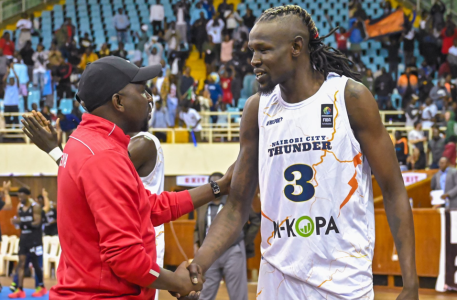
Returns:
<point x="216" y="189"/>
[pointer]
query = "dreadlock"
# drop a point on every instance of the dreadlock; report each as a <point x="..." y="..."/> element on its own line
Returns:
<point x="325" y="59"/>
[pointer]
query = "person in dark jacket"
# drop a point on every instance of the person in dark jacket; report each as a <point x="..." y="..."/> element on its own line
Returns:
<point x="382" y="87"/>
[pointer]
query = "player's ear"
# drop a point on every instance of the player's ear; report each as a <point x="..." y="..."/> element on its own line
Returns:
<point x="297" y="46"/>
<point x="118" y="102"/>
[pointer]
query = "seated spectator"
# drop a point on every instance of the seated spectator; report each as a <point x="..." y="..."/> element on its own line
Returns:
<point x="425" y="86"/>
<point x="452" y="58"/>
<point x="63" y="73"/>
<point x="7" y="45"/>
<point x="249" y="19"/>
<point x="73" y="55"/>
<point x="192" y="120"/>
<point x="450" y="150"/>
<point x="104" y="51"/>
<point x="232" y="18"/>
<point x="401" y="148"/>
<point x="226" y="49"/>
<point x="407" y="85"/>
<point x="25" y="26"/>
<point x="46" y="112"/>
<point x="54" y="57"/>
<point x="222" y="8"/>
<point x="87" y="57"/>
<point x="11" y="98"/>
<point x="120" y="52"/>
<point x="428" y="114"/>
<point x="48" y="89"/>
<point x="85" y="42"/>
<point x="438" y="93"/>
<point x="153" y="57"/>
<point x="160" y="119"/>
<point x="368" y="80"/>
<point x="121" y="24"/>
<point x="68" y="122"/>
<point x="446" y="180"/>
<point x="143" y="39"/>
<point x="451" y="87"/>
<point x="435" y="147"/>
<point x="383" y="86"/>
<point x="412" y="112"/>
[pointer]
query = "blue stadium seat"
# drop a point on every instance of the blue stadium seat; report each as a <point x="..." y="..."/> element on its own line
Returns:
<point x="34" y="97"/>
<point x="66" y="106"/>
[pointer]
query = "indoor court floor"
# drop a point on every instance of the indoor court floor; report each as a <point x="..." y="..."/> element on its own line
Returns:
<point x="381" y="293"/>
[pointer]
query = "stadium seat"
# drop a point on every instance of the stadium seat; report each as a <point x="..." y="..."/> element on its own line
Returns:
<point x="66" y="106"/>
<point x="50" y="254"/>
<point x="11" y="255"/>
<point x="3" y="253"/>
<point x="34" y="97"/>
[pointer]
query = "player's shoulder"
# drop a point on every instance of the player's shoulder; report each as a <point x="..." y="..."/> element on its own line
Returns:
<point x="252" y="102"/>
<point x="355" y="90"/>
<point x="145" y="141"/>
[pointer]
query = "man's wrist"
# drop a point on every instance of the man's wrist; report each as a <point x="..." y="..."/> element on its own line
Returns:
<point x="223" y="186"/>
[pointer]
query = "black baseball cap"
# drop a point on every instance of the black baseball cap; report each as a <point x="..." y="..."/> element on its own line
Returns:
<point x="107" y="76"/>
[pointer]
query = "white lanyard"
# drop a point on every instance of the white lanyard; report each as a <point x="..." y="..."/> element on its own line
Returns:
<point x="208" y="216"/>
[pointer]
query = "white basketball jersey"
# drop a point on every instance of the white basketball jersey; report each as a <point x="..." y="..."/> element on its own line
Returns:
<point x="316" y="193"/>
<point x="154" y="182"/>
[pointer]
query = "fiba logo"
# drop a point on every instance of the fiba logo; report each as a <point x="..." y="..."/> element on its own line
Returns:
<point x="327" y="110"/>
<point x="304" y="226"/>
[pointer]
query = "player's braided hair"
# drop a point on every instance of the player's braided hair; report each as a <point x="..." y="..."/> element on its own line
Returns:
<point x="324" y="58"/>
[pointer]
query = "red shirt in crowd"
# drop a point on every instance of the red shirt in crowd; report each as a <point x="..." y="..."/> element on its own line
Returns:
<point x="226" y="84"/>
<point x="448" y="41"/>
<point x="7" y="46"/>
<point x="342" y="39"/>
<point x="450" y="153"/>
<point x="106" y="217"/>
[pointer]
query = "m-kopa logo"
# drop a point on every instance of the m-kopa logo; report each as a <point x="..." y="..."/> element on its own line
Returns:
<point x="305" y="226"/>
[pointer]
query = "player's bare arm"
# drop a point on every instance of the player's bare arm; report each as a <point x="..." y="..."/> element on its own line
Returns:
<point x="235" y="213"/>
<point x="376" y="145"/>
<point x="143" y="154"/>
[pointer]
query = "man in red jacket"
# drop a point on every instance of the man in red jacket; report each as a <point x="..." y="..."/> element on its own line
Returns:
<point x="7" y="45"/>
<point x="106" y="217"/>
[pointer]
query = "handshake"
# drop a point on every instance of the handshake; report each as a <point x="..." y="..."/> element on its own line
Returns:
<point x="185" y="283"/>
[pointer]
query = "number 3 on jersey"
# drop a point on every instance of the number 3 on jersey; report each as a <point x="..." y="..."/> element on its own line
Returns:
<point x="300" y="176"/>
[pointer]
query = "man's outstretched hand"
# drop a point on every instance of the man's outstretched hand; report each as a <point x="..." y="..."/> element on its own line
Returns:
<point x="192" y="290"/>
<point x="40" y="131"/>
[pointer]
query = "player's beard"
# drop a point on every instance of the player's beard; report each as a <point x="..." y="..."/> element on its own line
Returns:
<point x="145" y="126"/>
<point x="267" y="89"/>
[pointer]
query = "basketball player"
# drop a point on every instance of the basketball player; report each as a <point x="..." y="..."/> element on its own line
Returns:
<point x="310" y="138"/>
<point x="30" y="241"/>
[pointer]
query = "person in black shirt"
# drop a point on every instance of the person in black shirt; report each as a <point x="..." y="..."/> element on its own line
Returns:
<point x="49" y="213"/>
<point x="30" y="241"/>
<point x="62" y="76"/>
<point x="249" y="19"/>
<point x="120" y="51"/>
<point x="5" y="204"/>
<point x="26" y="54"/>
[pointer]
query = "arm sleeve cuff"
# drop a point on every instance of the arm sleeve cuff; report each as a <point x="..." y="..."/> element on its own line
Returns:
<point x="152" y="274"/>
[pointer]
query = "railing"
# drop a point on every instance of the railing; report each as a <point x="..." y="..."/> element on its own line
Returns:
<point x="11" y="8"/>
<point x="215" y="132"/>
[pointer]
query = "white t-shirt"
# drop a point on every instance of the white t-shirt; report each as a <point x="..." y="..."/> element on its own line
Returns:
<point x="157" y="13"/>
<point x="427" y="114"/>
<point x="215" y="31"/>
<point x="191" y="118"/>
<point x="453" y="50"/>
<point x="180" y="16"/>
<point x="415" y="135"/>
<point x="159" y="83"/>
<point x="232" y="21"/>
<point x="24" y="24"/>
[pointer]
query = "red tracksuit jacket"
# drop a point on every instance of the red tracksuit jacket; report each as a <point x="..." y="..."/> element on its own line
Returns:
<point x="106" y="218"/>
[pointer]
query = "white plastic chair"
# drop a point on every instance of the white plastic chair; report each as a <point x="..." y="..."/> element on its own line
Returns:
<point x="51" y="255"/>
<point x="13" y="249"/>
<point x="3" y="253"/>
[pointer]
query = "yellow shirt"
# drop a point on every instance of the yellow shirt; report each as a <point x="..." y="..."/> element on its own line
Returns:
<point x="87" y="59"/>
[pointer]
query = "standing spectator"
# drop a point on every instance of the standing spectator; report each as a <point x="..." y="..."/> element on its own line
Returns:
<point x="71" y="31"/>
<point x="172" y="100"/>
<point x="7" y="45"/>
<point x="451" y="88"/>
<point x="368" y="80"/>
<point x="446" y="180"/>
<point x="198" y="13"/>
<point x="156" y="17"/>
<point x="215" y="91"/>
<point x="438" y="93"/>
<point x="237" y="85"/>
<point x="416" y="136"/>
<point x="172" y="37"/>
<point x="181" y="25"/>
<point x="104" y="51"/>
<point x="435" y="148"/>
<point x="226" y="85"/>
<point x="60" y="37"/>
<point x="27" y="56"/>
<point x="48" y="90"/>
<point x="120" y="52"/>
<point x="210" y="53"/>
<point x="383" y="86"/>
<point x="401" y="148"/>
<point x="224" y="6"/>
<point x="121" y="24"/>
<point x="240" y="34"/>
<point x="209" y="7"/>
<point x="68" y="122"/>
<point x="185" y="83"/>
<point x="450" y="150"/>
<point x="226" y="49"/>
<point x="160" y="119"/>
<point x="341" y="38"/>
<point x="408" y="43"/>
<point x="11" y="100"/>
<point x="199" y="33"/>
<point x="214" y="28"/>
<point x="85" y="42"/>
<point x="407" y="86"/>
<point x="4" y="63"/>
<point x="40" y="59"/>
<point x="88" y="57"/>
<point x="393" y="46"/>
<point x="448" y="34"/>
<point x="54" y="57"/>
<point x="22" y="73"/>
<point x="249" y="19"/>
<point x="63" y="73"/>
<point x="231" y="265"/>
<point x="428" y="114"/>
<point x="412" y="112"/>
<point x="25" y="26"/>
<point x="425" y="86"/>
<point x="452" y="58"/>
<point x="437" y="14"/>
<point x="143" y="39"/>
<point x="192" y="120"/>
<point x="232" y="18"/>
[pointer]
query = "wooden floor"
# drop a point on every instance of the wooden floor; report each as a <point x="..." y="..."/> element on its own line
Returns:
<point x="381" y="293"/>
